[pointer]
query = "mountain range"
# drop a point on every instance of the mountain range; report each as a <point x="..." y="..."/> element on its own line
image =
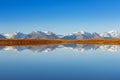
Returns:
<point x="72" y="36"/>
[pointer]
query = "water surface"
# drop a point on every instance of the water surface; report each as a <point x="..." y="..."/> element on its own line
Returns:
<point x="60" y="62"/>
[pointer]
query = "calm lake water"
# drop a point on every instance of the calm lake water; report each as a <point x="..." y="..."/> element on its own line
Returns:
<point x="62" y="62"/>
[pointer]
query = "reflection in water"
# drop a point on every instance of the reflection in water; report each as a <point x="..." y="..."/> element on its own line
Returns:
<point x="60" y="65"/>
<point x="76" y="47"/>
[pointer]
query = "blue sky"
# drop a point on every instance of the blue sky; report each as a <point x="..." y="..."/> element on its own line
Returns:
<point x="59" y="16"/>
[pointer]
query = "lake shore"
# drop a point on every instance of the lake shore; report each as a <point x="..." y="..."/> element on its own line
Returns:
<point x="42" y="42"/>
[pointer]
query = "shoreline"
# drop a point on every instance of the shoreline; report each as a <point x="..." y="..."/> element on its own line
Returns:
<point x="42" y="42"/>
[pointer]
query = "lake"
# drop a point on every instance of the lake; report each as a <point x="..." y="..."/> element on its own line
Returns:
<point x="60" y="62"/>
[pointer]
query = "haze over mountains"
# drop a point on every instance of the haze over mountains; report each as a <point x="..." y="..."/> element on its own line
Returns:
<point x="72" y="36"/>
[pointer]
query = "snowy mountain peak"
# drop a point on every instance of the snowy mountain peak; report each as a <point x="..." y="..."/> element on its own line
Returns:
<point x="82" y="32"/>
<point x="48" y="32"/>
<point x="110" y="34"/>
<point x="114" y="33"/>
<point x="7" y="35"/>
<point x="71" y="36"/>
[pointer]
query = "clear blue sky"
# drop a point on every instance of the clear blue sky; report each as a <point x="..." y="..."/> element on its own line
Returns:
<point x="59" y="16"/>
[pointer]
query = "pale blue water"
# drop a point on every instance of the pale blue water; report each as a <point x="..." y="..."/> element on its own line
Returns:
<point x="60" y="64"/>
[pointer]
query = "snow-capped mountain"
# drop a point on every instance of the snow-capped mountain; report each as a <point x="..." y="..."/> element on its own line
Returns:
<point x="15" y="35"/>
<point x="34" y="34"/>
<point x="40" y="34"/>
<point x="8" y="36"/>
<point x="72" y="36"/>
<point x="2" y="36"/>
<point x="81" y="35"/>
<point x="87" y="35"/>
<point x="18" y="35"/>
<point x="110" y="34"/>
<point x="96" y="36"/>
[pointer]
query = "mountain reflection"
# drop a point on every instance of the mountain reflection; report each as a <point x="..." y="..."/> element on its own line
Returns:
<point x="76" y="47"/>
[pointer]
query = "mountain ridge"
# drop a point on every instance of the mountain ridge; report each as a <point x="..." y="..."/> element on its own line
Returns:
<point x="72" y="36"/>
